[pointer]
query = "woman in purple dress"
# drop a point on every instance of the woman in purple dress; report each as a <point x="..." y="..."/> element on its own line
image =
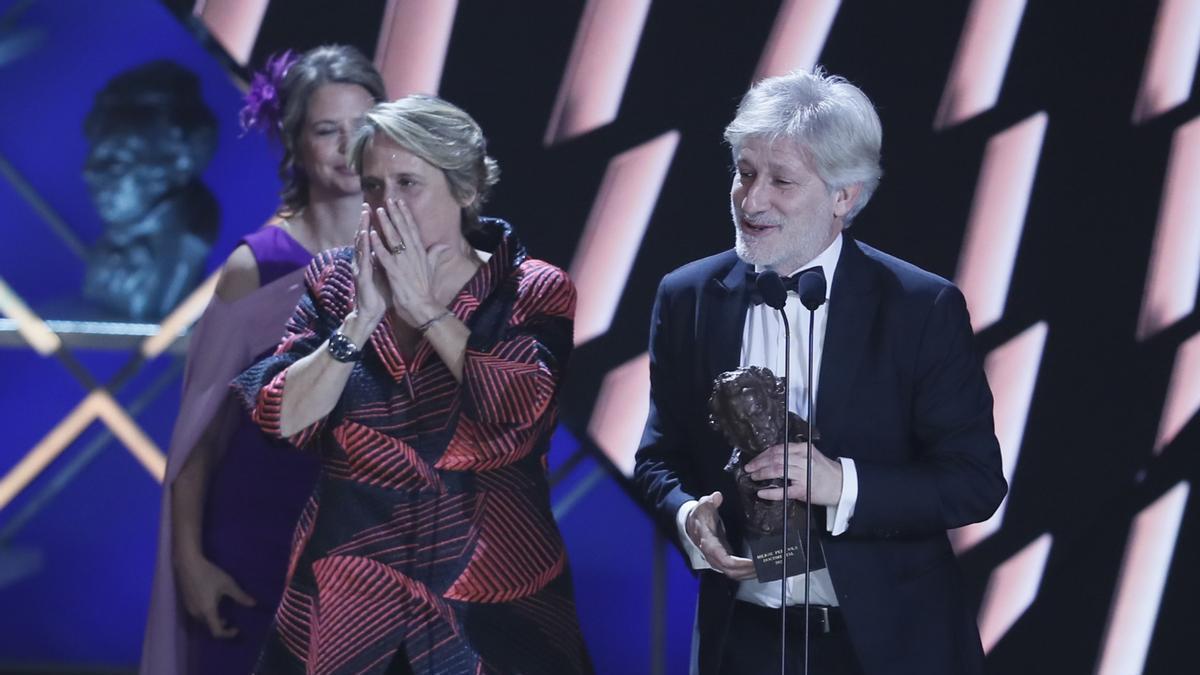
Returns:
<point x="233" y="494"/>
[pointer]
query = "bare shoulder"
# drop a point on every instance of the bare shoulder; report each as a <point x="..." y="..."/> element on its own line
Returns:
<point x="239" y="276"/>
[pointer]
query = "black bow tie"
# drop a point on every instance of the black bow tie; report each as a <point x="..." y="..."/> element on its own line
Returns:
<point x="791" y="284"/>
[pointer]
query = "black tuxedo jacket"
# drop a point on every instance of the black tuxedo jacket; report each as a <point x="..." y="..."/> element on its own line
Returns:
<point x="902" y="392"/>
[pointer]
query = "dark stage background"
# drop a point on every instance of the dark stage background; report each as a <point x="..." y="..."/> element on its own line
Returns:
<point x="1044" y="155"/>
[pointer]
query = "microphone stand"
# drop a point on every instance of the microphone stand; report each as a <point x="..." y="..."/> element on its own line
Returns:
<point x="787" y="379"/>
<point x="812" y="289"/>
<point x="787" y="385"/>
<point x="812" y="318"/>
<point x="808" y="495"/>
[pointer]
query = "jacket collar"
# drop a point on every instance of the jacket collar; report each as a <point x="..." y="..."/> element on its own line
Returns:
<point x="494" y="236"/>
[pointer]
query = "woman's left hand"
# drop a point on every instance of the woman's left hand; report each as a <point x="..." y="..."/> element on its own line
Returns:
<point x="411" y="270"/>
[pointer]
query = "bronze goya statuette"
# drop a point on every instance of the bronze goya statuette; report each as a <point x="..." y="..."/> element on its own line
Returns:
<point x="746" y="407"/>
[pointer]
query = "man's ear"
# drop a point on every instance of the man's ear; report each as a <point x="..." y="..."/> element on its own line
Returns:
<point x="845" y="198"/>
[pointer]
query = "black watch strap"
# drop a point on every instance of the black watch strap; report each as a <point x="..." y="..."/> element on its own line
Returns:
<point x="342" y="349"/>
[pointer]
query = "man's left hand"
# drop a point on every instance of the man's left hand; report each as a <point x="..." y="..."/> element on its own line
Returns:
<point x="826" y="474"/>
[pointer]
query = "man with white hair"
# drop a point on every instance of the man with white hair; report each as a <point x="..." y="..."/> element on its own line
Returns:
<point x="907" y="447"/>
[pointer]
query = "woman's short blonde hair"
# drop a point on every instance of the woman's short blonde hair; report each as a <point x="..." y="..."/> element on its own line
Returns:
<point x="442" y="134"/>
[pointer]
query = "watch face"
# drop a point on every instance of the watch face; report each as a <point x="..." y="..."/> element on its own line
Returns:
<point x="342" y="349"/>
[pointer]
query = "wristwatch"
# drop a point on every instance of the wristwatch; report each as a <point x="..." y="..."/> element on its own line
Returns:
<point x="343" y="350"/>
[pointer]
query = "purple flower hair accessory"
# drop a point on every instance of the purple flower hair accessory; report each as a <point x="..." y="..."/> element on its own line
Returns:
<point x="264" y="109"/>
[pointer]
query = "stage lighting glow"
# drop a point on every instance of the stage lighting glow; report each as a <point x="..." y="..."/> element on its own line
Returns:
<point x="413" y="39"/>
<point x="614" y="231"/>
<point x="1183" y="393"/>
<point x="1012" y="588"/>
<point x="997" y="218"/>
<point x="32" y="328"/>
<point x="98" y="404"/>
<point x="620" y="412"/>
<point x="1174" y="271"/>
<point x="1012" y="371"/>
<point x="601" y="58"/>
<point x="129" y="433"/>
<point x="797" y="37"/>
<point x="1141" y="582"/>
<point x="1171" y="62"/>
<point x="235" y="24"/>
<point x="180" y="318"/>
<point x="981" y="60"/>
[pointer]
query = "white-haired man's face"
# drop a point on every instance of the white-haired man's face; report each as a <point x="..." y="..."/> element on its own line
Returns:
<point x="783" y="213"/>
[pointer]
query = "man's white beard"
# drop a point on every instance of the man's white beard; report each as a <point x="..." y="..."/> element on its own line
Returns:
<point x="786" y="249"/>
<point x="752" y="251"/>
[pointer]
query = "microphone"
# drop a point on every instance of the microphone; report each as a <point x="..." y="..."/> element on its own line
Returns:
<point x="810" y="286"/>
<point x="770" y="287"/>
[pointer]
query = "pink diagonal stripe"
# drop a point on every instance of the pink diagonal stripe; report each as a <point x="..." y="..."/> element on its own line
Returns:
<point x="1174" y="273"/>
<point x="1141" y="582"/>
<point x="1171" y="61"/>
<point x="412" y="45"/>
<point x="797" y="37"/>
<point x="1183" y="393"/>
<point x="998" y="218"/>
<point x="620" y="412"/>
<point x="1012" y="371"/>
<point x="601" y="58"/>
<point x="235" y="24"/>
<point x="982" y="58"/>
<point x="1011" y="589"/>
<point x="614" y="231"/>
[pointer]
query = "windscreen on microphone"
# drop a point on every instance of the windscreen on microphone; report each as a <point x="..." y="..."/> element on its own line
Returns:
<point x="770" y="287"/>
<point x="810" y="287"/>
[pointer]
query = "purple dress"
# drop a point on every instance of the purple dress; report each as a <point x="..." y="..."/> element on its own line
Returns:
<point x="257" y="491"/>
<point x="226" y="338"/>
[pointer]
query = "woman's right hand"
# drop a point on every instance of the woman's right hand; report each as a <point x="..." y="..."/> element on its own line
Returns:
<point x="370" y="302"/>
<point x="202" y="585"/>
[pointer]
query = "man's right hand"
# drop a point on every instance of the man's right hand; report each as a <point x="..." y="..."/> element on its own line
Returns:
<point x="707" y="532"/>
<point x="202" y="584"/>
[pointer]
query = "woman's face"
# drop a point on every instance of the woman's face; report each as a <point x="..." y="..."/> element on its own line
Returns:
<point x="392" y="172"/>
<point x="335" y="110"/>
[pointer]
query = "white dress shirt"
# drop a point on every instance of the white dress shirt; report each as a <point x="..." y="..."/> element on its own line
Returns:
<point x="762" y="345"/>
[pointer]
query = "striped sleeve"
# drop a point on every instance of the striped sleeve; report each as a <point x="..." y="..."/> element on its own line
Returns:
<point x="513" y="378"/>
<point x="326" y="301"/>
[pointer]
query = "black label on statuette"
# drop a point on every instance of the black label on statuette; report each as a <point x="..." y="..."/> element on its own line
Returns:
<point x="767" y="553"/>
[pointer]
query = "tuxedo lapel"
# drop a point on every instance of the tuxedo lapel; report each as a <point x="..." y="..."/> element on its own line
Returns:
<point x="852" y="309"/>
<point x="723" y="318"/>
<point x="720" y="323"/>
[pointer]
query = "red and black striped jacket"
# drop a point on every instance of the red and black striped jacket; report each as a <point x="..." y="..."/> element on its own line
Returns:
<point x="431" y="522"/>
